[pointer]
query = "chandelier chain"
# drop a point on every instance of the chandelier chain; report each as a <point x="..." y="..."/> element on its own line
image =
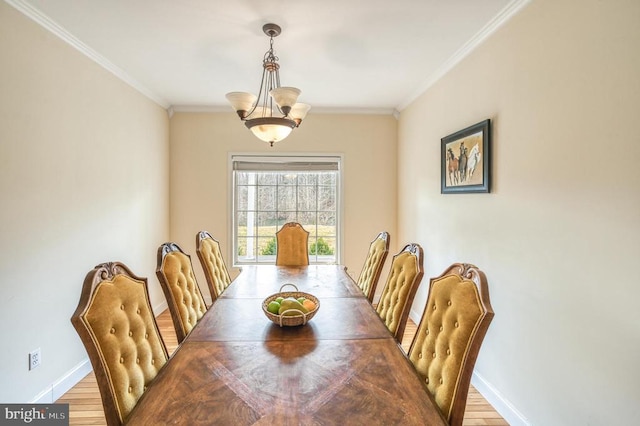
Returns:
<point x="269" y="56"/>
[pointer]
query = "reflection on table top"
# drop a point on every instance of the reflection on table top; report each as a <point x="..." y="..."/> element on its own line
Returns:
<point x="320" y="280"/>
<point x="243" y="319"/>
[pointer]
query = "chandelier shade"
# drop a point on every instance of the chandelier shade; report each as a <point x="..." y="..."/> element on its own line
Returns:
<point x="299" y="112"/>
<point x="285" y="97"/>
<point x="241" y="101"/>
<point x="274" y="112"/>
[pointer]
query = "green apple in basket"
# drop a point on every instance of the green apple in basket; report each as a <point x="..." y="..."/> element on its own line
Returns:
<point x="273" y="307"/>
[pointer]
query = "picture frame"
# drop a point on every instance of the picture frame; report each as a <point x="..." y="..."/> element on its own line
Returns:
<point x="473" y="173"/>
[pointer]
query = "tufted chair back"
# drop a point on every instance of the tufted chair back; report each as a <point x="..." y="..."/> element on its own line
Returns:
<point x="215" y="270"/>
<point x="400" y="289"/>
<point x="370" y="273"/>
<point x="116" y="325"/>
<point x="175" y="273"/>
<point x="292" y="242"/>
<point x="446" y="345"/>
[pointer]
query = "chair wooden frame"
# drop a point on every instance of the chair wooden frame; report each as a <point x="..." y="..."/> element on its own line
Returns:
<point x="103" y="366"/>
<point x="217" y="281"/>
<point x="373" y="264"/>
<point x="292" y="233"/>
<point x="180" y="322"/>
<point x="382" y="307"/>
<point x="454" y="411"/>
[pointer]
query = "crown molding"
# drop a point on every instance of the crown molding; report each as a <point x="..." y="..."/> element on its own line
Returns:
<point x="46" y="22"/>
<point x="361" y="111"/>
<point x="200" y="108"/>
<point x="491" y="27"/>
<point x="314" y="110"/>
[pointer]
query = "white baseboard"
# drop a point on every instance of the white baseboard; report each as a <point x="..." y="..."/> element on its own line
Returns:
<point x="63" y="384"/>
<point x="44" y="397"/>
<point x="501" y="404"/>
<point x="158" y="309"/>
<point x="415" y="316"/>
<point x="493" y="397"/>
<point x="71" y="378"/>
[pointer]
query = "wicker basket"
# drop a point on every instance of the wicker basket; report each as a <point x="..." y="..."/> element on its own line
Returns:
<point x="290" y="320"/>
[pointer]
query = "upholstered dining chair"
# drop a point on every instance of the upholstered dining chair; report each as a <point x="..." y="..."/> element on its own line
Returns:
<point x="452" y="328"/>
<point x="215" y="270"/>
<point x="400" y="289"/>
<point x="370" y="273"/>
<point x="292" y="245"/>
<point x="116" y="325"/>
<point x="178" y="282"/>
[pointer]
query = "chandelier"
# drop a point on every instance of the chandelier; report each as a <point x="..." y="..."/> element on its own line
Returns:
<point x="274" y="113"/>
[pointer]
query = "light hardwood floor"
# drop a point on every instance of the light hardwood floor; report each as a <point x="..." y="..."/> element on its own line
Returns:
<point x="85" y="406"/>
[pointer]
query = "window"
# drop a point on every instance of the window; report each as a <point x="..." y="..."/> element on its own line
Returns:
<point x="270" y="191"/>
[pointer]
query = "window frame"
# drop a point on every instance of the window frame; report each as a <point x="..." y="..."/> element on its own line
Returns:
<point x="283" y="158"/>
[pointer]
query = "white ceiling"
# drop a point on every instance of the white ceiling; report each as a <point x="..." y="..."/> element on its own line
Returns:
<point x="350" y="55"/>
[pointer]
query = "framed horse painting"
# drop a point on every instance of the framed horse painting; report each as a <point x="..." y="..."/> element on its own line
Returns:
<point x="466" y="160"/>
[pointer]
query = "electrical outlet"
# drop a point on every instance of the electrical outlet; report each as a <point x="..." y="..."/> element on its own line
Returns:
<point x="34" y="359"/>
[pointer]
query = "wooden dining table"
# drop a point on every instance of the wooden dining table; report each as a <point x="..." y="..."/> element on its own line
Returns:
<point x="236" y="367"/>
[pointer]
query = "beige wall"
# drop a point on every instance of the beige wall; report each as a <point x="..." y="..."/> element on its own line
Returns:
<point x="83" y="180"/>
<point x="559" y="235"/>
<point x="200" y="147"/>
